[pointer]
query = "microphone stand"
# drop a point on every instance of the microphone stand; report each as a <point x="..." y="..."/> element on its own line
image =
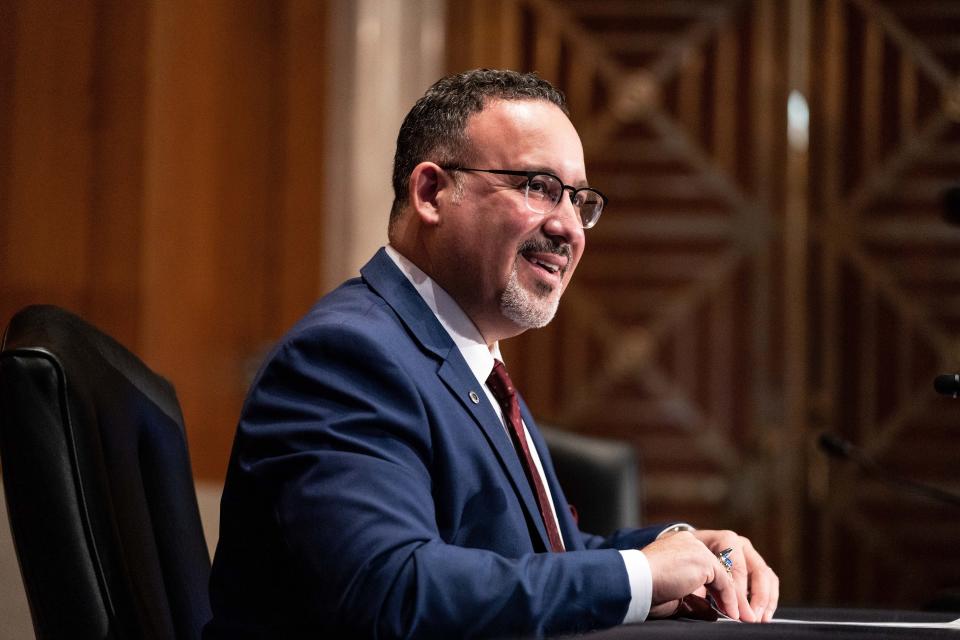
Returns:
<point x="837" y="447"/>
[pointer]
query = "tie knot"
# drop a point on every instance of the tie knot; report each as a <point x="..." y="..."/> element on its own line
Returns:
<point x="500" y="383"/>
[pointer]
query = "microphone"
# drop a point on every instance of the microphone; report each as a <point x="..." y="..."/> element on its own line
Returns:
<point x="837" y="447"/>
<point x="951" y="205"/>
<point x="948" y="384"/>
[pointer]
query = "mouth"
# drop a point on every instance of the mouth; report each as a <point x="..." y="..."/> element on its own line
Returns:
<point x="547" y="264"/>
<point x="550" y="260"/>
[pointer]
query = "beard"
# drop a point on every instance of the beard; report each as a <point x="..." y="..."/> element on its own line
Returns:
<point x="532" y="309"/>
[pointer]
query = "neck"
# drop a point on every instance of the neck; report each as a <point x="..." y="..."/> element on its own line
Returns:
<point x="492" y="327"/>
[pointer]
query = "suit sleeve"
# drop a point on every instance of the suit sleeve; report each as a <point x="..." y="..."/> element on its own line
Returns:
<point x="337" y="436"/>
<point x="623" y="538"/>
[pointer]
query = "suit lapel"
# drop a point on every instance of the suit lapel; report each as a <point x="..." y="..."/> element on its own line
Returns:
<point x="460" y="380"/>
<point x="383" y="276"/>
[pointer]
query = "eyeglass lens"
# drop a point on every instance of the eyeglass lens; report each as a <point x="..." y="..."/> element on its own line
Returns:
<point x="544" y="193"/>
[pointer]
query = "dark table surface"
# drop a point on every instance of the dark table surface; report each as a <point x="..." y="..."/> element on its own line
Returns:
<point x="694" y="629"/>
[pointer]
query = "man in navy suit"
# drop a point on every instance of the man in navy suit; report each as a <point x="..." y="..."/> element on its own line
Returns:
<point x="374" y="488"/>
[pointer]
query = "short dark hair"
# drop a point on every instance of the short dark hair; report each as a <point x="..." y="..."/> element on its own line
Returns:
<point x="434" y="129"/>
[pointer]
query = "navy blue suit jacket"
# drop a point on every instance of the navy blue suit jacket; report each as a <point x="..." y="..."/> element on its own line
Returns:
<point x="368" y="494"/>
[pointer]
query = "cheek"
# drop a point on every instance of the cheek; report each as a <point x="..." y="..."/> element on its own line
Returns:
<point x="577" y="254"/>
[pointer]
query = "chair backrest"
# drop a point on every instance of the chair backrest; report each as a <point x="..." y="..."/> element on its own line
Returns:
<point x="99" y="489"/>
<point x="600" y="477"/>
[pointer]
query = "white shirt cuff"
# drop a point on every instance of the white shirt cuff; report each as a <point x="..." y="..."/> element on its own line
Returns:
<point x="641" y="585"/>
<point x="680" y="526"/>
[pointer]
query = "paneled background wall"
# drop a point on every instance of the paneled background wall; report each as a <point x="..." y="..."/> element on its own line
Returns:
<point x="757" y="279"/>
<point x="161" y="174"/>
<point x="763" y="274"/>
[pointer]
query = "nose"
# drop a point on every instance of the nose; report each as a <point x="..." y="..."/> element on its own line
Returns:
<point x="563" y="222"/>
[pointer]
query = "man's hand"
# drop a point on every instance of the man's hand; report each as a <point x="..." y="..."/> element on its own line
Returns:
<point x="686" y="562"/>
<point x="757" y="586"/>
<point x="680" y="564"/>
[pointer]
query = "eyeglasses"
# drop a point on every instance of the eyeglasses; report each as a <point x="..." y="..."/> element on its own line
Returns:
<point x="543" y="192"/>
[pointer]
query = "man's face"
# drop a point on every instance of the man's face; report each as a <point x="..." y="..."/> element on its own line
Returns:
<point x="507" y="265"/>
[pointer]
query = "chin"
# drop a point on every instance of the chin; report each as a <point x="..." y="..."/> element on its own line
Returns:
<point x="528" y="310"/>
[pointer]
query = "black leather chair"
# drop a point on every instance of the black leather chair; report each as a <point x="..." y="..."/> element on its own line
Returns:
<point x="99" y="489"/>
<point x="600" y="477"/>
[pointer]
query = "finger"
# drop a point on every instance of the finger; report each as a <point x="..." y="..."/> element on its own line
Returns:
<point x="725" y="593"/>
<point x="761" y="580"/>
<point x="774" y="598"/>
<point x="740" y="571"/>
<point x="761" y="584"/>
<point x="664" y="609"/>
<point x="746" y="611"/>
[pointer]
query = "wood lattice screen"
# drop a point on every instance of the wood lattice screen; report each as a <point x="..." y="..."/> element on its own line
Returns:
<point x="743" y="294"/>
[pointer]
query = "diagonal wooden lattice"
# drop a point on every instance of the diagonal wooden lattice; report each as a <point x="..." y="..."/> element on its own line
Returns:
<point x="741" y="295"/>
<point x="890" y="267"/>
<point x="672" y="270"/>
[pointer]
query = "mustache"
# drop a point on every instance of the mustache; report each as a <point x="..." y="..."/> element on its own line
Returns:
<point x="545" y="245"/>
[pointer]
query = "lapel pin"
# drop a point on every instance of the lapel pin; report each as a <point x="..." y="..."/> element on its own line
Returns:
<point x="474" y="397"/>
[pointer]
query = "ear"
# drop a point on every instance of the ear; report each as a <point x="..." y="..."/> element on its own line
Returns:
<point x="427" y="182"/>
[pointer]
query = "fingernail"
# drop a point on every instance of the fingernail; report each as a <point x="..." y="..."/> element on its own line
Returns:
<point x="760" y="613"/>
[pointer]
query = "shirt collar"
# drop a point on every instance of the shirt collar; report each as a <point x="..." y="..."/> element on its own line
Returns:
<point x="462" y="331"/>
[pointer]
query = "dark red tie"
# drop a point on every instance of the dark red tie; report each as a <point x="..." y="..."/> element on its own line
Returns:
<point x="504" y="391"/>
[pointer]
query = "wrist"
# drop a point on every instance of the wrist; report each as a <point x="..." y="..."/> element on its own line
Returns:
<point x="674" y="528"/>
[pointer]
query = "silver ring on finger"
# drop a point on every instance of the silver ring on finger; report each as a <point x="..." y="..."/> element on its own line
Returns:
<point x="726" y="560"/>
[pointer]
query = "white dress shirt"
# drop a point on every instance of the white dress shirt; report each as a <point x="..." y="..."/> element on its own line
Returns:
<point x="480" y="358"/>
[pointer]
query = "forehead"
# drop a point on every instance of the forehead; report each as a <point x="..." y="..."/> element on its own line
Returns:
<point x="534" y="133"/>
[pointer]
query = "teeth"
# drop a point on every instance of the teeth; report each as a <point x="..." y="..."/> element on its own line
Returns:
<point x="552" y="268"/>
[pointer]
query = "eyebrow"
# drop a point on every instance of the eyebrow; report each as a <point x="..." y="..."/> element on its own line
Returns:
<point x="553" y="172"/>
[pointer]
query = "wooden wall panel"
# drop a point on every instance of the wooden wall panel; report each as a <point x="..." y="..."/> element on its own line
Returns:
<point x="740" y="295"/>
<point x="296" y="258"/>
<point x="161" y="176"/>
<point x="887" y="270"/>
<point x="111" y="295"/>
<point x="50" y="152"/>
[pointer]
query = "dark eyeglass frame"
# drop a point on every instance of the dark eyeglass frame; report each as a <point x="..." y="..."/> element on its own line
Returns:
<point x="530" y="175"/>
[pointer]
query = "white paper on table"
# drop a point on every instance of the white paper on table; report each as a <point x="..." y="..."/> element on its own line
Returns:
<point x="953" y="624"/>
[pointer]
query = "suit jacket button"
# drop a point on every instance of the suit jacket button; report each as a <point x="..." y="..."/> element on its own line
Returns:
<point x="474" y="397"/>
